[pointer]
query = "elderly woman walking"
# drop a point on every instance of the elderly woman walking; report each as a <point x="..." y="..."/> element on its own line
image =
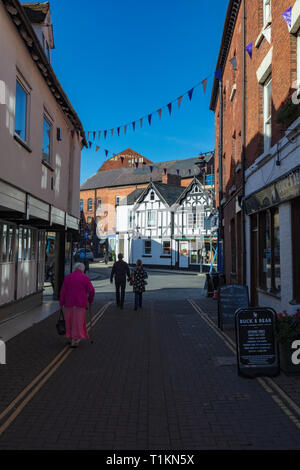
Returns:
<point x="76" y="292"/>
<point x="138" y="277"/>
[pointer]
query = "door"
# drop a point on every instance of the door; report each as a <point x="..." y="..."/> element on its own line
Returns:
<point x="183" y="254"/>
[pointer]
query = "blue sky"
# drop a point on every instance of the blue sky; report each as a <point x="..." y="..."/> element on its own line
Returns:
<point x="120" y="60"/>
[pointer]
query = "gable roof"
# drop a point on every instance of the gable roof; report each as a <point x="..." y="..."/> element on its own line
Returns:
<point x="188" y="188"/>
<point x="131" y="198"/>
<point x="168" y="192"/>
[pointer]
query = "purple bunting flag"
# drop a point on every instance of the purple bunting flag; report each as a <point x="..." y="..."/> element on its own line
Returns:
<point x="151" y="168"/>
<point x="287" y="16"/>
<point x="218" y="74"/>
<point x="190" y="93"/>
<point x="249" y="49"/>
<point x="170" y="108"/>
<point x="105" y="134"/>
<point x="90" y="144"/>
<point x="149" y="119"/>
<point x="106" y="152"/>
<point x="133" y="125"/>
<point x="204" y="84"/>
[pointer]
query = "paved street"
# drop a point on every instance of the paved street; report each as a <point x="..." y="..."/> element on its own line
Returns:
<point x="159" y="378"/>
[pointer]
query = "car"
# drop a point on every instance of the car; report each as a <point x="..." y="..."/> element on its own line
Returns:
<point x="85" y="254"/>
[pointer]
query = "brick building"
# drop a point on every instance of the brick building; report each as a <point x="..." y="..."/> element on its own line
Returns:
<point x="257" y="141"/>
<point x="102" y="193"/>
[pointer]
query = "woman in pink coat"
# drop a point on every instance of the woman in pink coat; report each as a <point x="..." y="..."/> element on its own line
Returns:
<point x="76" y="292"/>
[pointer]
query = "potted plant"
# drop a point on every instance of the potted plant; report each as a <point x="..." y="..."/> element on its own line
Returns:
<point x="288" y="112"/>
<point x="287" y="331"/>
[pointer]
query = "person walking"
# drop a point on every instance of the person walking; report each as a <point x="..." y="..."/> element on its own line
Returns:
<point x="76" y="292"/>
<point x="138" y="277"/>
<point x="120" y="270"/>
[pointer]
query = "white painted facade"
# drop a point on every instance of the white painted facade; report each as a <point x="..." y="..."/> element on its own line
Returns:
<point x="166" y="234"/>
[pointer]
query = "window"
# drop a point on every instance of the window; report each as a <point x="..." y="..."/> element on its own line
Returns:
<point x="46" y="140"/>
<point x="196" y="219"/>
<point x="81" y="205"/>
<point x="267" y="114"/>
<point x="90" y="205"/>
<point x="151" y="218"/>
<point x="269" y="250"/>
<point x="98" y="203"/>
<point x="89" y="221"/>
<point x="21" y="112"/>
<point x="147" y="247"/>
<point x="152" y="196"/>
<point x="266" y="10"/>
<point x="118" y="200"/>
<point x="130" y="219"/>
<point x="7" y="243"/>
<point x="166" y="247"/>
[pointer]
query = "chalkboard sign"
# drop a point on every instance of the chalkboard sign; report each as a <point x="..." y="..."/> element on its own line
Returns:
<point x="231" y="298"/>
<point x="257" y="350"/>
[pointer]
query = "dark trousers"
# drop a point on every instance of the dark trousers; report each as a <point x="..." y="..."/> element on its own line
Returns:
<point x="120" y="285"/>
<point x="138" y="299"/>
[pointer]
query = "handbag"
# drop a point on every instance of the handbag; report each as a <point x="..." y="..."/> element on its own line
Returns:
<point x="61" y="324"/>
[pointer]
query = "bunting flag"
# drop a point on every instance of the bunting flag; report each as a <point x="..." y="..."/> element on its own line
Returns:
<point x="97" y="148"/>
<point x="165" y="171"/>
<point x="94" y="135"/>
<point x="118" y="131"/>
<point x="112" y="132"/>
<point x="190" y="93"/>
<point x="249" y="49"/>
<point x="122" y="160"/>
<point x="105" y="134"/>
<point x="133" y="125"/>
<point x="141" y="122"/>
<point x="204" y="84"/>
<point x="233" y="62"/>
<point x="106" y="152"/>
<point x="159" y="112"/>
<point x="88" y="134"/>
<point x="267" y="34"/>
<point x="90" y="144"/>
<point x="218" y="74"/>
<point x="149" y="119"/>
<point x="125" y="129"/>
<point x="170" y="108"/>
<point x="99" y="133"/>
<point x="179" y="99"/>
<point x="151" y="168"/>
<point x="287" y="16"/>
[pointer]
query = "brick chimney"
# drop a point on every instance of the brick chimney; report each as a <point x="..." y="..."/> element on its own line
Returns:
<point x="172" y="180"/>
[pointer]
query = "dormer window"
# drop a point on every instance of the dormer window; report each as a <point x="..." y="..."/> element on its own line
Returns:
<point x="152" y="196"/>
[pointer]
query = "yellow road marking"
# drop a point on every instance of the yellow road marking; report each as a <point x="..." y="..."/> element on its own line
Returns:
<point x="42" y="378"/>
<point x="266" y="383"/>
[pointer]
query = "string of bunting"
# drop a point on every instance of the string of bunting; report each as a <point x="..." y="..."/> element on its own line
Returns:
<point x="96" y="135"/>
<point x="286" y="15"/>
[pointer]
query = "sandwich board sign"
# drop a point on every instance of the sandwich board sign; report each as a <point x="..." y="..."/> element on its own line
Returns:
<point x="257" y="348"/>
<point x="231" y="298"/>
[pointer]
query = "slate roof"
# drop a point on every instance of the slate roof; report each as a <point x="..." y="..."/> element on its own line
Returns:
<point x="169" y="193"/>
<point x="142" y="174"/>
<point x="132" y="197"/>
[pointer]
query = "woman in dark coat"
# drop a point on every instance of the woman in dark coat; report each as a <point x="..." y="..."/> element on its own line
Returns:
<point x="138" y="279"/>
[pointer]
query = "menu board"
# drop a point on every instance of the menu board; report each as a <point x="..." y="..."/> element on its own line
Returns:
<point x="257" y="349"/>
<point x="231" y="298"/>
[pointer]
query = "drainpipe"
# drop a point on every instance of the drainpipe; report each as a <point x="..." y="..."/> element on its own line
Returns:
<point x="243" y="148"/>
<point x="220" y="152"/>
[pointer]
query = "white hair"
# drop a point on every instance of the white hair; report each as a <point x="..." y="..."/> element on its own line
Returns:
<point x="79" y="266"/>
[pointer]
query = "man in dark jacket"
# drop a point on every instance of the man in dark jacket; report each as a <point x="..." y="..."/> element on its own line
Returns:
<point x="120" y="270"/>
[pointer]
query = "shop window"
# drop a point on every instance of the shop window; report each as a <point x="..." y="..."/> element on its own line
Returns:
<point x="269" y="251"/>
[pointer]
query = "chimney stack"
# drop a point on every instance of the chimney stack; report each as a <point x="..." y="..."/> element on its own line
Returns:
<point x="172" y="180"/>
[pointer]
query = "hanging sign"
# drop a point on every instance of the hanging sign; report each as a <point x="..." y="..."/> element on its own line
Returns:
<point x="257" y="349"/>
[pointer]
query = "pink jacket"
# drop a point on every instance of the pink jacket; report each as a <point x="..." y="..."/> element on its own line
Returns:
<point x="76" y="290"/>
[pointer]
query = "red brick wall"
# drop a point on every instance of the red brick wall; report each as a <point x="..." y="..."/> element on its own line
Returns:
<point x="128" y="155"/>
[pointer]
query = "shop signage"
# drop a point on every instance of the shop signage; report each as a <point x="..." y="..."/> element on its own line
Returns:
<point x="280" y="191"/>
<point x="231" y="298"/>
<point x="257" y="349"/>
